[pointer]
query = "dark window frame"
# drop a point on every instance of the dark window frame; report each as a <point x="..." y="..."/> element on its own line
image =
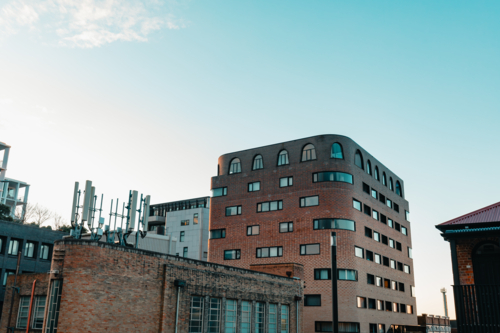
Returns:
<point x="238" y="210"/>
<point x="312" y="295"/>
<point x="279" y="251"/>
<point x="237" y="254"/>
<point x="289" y="181"/>
<point x="250" y="227"/>
<point x="222" y="233"/>
<point x="317" y="273"/>
<point x="279" y="205"/>
<point x="251" y="185"/>
<point x="288" y="227"/>
<point x="305" y="247"/>
<point x="310" y="196"/>
<point x="341" y="151"/>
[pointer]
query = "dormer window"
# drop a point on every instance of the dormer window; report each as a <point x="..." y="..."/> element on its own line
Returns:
<point x="258" y="163"/>
<point x="235" y="166"/>
<point x="308" y="153"/>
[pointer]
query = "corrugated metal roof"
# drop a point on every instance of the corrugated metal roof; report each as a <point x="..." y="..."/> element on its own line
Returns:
<point x="487" y="214"/>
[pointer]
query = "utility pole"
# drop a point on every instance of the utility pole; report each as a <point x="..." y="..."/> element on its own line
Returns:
<point x="443" y="290"/>
<point x="335" y="302"/>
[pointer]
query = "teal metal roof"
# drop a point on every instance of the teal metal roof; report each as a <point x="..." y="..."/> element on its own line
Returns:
<point x="456" y="231"/>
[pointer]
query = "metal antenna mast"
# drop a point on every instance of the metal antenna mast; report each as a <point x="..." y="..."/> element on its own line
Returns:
<point x="443" y="290"/>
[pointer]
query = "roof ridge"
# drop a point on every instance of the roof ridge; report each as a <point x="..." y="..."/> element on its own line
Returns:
<point x="475" y="214"/>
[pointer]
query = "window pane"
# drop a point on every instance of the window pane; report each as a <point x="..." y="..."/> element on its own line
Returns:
<point x="356" y="204"/>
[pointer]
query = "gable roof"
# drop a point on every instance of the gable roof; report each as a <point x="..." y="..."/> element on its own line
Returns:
<point x="484" y="215"/>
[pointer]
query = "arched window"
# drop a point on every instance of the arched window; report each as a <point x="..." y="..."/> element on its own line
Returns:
<point x="384" y="179"/>
<point x="368" y="167"/>
<point x="258" y="163"/>
<point x="308" y="153"/>
<point x="399" y="190"/>
<point x="283" y="158"/>
<point x="235" y="166"/>
<point x="376" y="174"/>
<point x="391" y="187"/>
<point x="337" y="151"/>
<point x="358" y="159"/>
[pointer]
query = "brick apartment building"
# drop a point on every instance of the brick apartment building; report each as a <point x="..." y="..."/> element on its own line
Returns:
<point x="101" y="287"/>
<point x="276" y="205"/>
<point x="475" y="256"/>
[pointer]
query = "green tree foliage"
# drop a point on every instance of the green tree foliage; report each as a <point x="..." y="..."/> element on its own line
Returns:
<point x="4" y="213"/>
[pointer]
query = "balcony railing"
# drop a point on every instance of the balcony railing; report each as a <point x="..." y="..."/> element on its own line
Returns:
<point x="478" y="308"/>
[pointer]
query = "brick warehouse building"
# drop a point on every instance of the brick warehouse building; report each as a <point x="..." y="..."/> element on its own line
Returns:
<point x="275" y="205"/>
<point x="475" y="256"/>
<point x="99" y="287"/>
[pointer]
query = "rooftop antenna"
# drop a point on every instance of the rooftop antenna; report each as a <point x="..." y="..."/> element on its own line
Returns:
<point x="443" y="290"/>
<point x="88" y="212"/>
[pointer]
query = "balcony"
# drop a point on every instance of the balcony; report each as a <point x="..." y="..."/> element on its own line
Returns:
<point x="478" y="308"/>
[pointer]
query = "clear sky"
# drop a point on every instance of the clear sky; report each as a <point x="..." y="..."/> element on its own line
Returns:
<point x="147" y="95"/>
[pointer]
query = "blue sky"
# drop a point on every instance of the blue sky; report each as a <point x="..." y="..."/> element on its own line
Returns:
<point x="147" y="95"/>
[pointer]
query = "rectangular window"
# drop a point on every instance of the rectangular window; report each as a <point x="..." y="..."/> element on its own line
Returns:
<point x="375" y="214"/>
<point x="312" y="300"/>
<point x="266" y="252"/>
<point x="370" y="279"/>
<point x="388" y="306"/>
<point x="391" y="243"/>
<point x="387" y="284"/>
<point x="269" y="206"/>
<point x="373" y="328"/>
<point x="219" y="192"/>
<point x="407" y="269"/>
<point x="253" y="230"/>
<point x="407" y="215"/>
<point x="401" y="286"/>
<point x="246" y="316"/>
<point x="230" y="322"/>
<point x="195" y="218"/>
<point x="286" y="181"/>
<point x="390" y="223"/>
<point x="361" y="302"/>
<point x="402" y="308"/>
<point x="53" y="306"/>
<point x="366" y="188"/>
<point x="234" y="210"/>
<point x="383" y="218"/>
<point x="284" y="318"/>
<point x="385" y="240"/>
<point x="273" y="318"/>
<point x="379" y="281"/>
<point x="398" y="246"/>
<point x="185" y="252"/>
<point x="359" y="252"/>
<point x="217" y="233"/>
<point x="374" y="194"/>
<point x="45" y="252"/>
<point x="323" y="326"/>
<point x="409" y="309"/>
<point x="13" y="247"/>
<point x="394" y="285"/>
<point x="181" y="236"/>
<point x="367" y="210"/>
<point x="259" y="318"/>
<point x="368" y="232"/>
<point x="389" y="203"/>
<point x="286" y="226"/>
<point x="254" y="187"/>
<point x="22" y="315"/>
<point x="381" y="327"/>
<point x="322" y="274"/>
<point x="29" y="249"/>
<point x="184" y="222"/>
<point x="395" y="307"/>
<point x="381" y="198"/>
<point x="393" y="264"/>
<point x="397" y="226"/>
<point x="400" y="266"/>
<point x="385" y="261"/>
<point x="376" y="236"/>
<point x="196" y="315"/>
<point x="347" y="274"/>
<point x="410" y="254"/>
<point x="395" y="206"/>
<point x="380" y="307"/>
<point x="38" y="312"/>
<point x="369" y="255"/>
<point x="404" y="231"/>
<point x="334" y="224"/>
<point x="214" y="311"/>
<point x="356" y="204"/>
<point x="348" y="327"/>
<point x="231" y="254"/>
<point x="412" y="291"/>
<point x="378" y="259"/>
<point x="309" y="249"/>
<point x="309" y="201"/>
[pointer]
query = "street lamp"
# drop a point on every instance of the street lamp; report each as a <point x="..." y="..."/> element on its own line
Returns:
<point x="335" y="301"/>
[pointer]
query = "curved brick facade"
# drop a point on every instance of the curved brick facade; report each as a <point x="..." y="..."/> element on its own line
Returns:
<point x="335" y="201"/>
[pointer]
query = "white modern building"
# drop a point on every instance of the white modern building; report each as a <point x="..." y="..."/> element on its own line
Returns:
<point x="13" y="193"/>
<point x="186" y="220"/>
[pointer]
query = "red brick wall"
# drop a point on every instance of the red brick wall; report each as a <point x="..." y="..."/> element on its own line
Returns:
<point x="335" y="202"/>
<point x="295" y="270"/>
<point x="464" y="257"/>
<point x="117" y="289"/>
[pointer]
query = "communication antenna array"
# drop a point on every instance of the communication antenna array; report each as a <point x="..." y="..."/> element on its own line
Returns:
<point x="114" y="234"/>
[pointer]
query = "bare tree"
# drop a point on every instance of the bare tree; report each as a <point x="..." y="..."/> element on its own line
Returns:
<point x="28" y="214"/>
<point x="41" y="215"/>
<point x="59" y="221"/>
